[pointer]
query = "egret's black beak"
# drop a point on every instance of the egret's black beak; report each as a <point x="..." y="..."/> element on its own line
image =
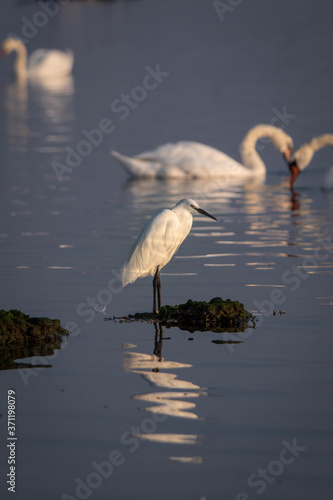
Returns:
<point x="203" y="212"/>
<point x="294" y="171"/>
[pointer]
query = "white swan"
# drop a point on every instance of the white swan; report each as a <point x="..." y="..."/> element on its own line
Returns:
<point x="42" y="63"/>
<point x="303" y="156"/>
<point x="190" y="160"/>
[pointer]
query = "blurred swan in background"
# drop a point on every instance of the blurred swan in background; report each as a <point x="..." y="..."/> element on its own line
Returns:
<point x="190" y="160"/>
<point x="42" y="63"/>
<point x="303" y="156"/>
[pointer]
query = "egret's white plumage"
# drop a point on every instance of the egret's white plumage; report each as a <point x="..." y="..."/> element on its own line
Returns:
<point x="158" y="241"/>
<point x="156" y="244"/>
<point x="189" y="160"/>
<point x="302" y="157"/>
<point x="42" y="63"/>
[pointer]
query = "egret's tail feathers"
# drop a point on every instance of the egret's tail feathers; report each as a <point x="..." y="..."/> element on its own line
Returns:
<point x="128" y="278"/>
<point x="130" y="273"/>
<point x="124" y="277"/>
<point x="134" y="166"/>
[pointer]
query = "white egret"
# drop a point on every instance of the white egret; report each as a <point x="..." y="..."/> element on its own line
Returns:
<point x="303" y="156"/>
<point x="192" y="160"/>
<point x="42" y="63"/>
<point x="158" y="241"/>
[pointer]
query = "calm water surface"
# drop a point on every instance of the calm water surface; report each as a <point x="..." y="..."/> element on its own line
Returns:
<point x="129" y="410"/>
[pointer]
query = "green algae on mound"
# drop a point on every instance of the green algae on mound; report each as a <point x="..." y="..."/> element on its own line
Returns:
<point x="216" y="315"/>
<point x="17" y="328"/>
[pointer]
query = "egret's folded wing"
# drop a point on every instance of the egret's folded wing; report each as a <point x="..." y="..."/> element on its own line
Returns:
<point x="156" y="244"/>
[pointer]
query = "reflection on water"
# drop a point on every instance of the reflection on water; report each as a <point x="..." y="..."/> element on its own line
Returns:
<point x="52" y="99"/>
<point x="169" y="438"/>
<point x="171" y="403"/>
<point x="149" y="367"/>
<point x="154" y="194"/>
<point x="167" y="403"/>
<point x="174" y="402"/>
<point x="39" y="124"/>
<point x="39" y="115"/>
<point x="325" y="301"/>
<point x="187" y="460"/>
<point x="16" y="111"/>
<point x="11" y="356"/>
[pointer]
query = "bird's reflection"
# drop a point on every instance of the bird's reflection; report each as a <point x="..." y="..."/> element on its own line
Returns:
<point x="151" y="367"/>
<point x="16" y="110"/>
<point x="52" y="100"/>
<point x="250" y="197"/>
<point x="156" y="193"/>
<point x="158" y="340"/>
<point x="295" y="203"/>
<point x="172" y="403"/>
<point x="39" y="114"/>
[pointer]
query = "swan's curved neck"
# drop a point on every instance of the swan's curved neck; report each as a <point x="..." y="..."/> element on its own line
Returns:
<point x="321" y="141"/>
<point x="20" y="65"/>
<point x="249" y="154"/>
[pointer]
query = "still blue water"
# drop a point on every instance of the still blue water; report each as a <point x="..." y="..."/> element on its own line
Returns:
<point x="107" y="418"/>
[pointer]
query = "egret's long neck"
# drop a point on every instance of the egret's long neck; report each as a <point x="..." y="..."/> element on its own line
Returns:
<point x="20" y="66"/>
<point x="321" y="141"/>
<point x="184" y="216"/>
<point x="249" y="155"/>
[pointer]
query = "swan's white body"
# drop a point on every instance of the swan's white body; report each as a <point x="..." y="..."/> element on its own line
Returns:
<point x="303" y="156"/>
<point x="42" y="63"/>
<point x="191" y="160"/>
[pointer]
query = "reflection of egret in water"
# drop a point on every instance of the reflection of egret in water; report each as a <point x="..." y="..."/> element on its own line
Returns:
<point x="170" y="403"/>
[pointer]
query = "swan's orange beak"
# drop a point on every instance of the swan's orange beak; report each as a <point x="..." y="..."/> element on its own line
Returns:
<point x="294" y="171"/>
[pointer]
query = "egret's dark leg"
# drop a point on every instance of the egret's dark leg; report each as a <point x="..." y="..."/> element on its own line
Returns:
<point x="157" y="287"/>
<point x="154" y="292"/>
